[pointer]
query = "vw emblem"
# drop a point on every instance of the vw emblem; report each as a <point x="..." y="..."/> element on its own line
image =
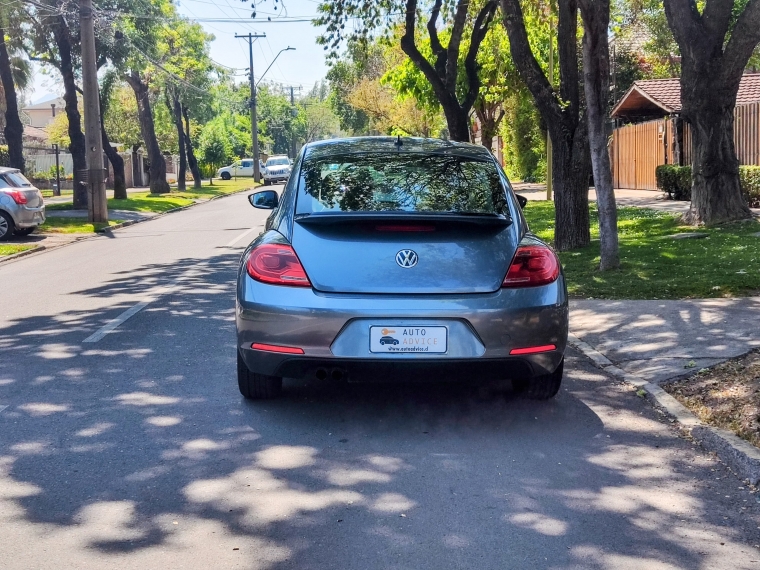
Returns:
<point x="406" y="258"/>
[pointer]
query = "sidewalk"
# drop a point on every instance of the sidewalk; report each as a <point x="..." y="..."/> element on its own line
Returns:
<point x="659" y="340"/>
<point x="68" y="197"/>
<point x="654" y="200"/>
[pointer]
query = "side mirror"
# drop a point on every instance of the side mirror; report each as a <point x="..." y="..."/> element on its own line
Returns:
<point x="522" y="200"/>
<point x="264" y="200"/>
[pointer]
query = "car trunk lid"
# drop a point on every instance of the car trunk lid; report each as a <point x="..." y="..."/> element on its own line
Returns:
<point x="401" y="253"/>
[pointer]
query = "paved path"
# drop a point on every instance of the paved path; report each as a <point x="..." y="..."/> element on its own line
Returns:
<point x="122" y="215"/>
<point x="66" y="198"/>
<point x="137" y="451"/>
<point x="653" y="200"/>
<point x="658" y="340"/>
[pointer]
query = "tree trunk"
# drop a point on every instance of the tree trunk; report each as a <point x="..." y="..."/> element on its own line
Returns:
<point x="191" y="160"/>
<point x="117" y="162"/>
<point x="715" y="192"/>
<point x="158" y="183"/>
<point x="458" y="122"/>
<point x="175" y="109"/>
<point x="716" y="44"/>
<point x="571" y="167"/>
<point x="77" y="146"/>
<point x="14" y="130"/>
<point x="596" y="83"/>
<point x="561" y="114"/>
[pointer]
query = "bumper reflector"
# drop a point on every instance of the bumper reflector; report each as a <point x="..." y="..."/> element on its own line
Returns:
<point x="533" y="349"/>
<point x="275" y="348"/>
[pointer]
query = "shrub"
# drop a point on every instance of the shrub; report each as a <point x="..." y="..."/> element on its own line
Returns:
<point x="749" y="178"/>
<point x="5" y="158"/>
<point x="675" y="180"/>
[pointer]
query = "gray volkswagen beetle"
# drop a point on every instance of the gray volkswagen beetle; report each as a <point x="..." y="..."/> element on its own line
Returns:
<point x="21" y="206"/>
<point x="398" y="259"/>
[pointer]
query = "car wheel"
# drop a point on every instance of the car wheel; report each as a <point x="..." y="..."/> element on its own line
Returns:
<point x="256" y="386"/>
<point x="267" y="182"/>
<point x="23" y="231"/>
<point x="544" y="387"/>
<point x="226" y="175"/>
<point x="6" y="226"/>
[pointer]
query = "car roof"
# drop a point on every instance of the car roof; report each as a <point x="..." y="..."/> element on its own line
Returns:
<point x="4" y="169"/>
<point x="361" y="145"/>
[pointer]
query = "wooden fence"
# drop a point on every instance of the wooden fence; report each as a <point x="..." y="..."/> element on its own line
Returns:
<point x="636" y="150"/>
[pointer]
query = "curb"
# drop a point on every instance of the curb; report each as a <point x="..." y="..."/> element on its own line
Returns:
<point x="742" y="457"/>
<point x="41" y="248"/>
<point x="24" y="253"/>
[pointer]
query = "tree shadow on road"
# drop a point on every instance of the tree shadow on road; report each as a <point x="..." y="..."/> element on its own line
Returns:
<point x="138" y="451"/>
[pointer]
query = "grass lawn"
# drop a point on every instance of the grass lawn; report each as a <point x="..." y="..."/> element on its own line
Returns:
<point x="724" y="264"/>
<point x="147" y="202"/>
<point x="6" y="249"/>
<point x="73" y="225"/>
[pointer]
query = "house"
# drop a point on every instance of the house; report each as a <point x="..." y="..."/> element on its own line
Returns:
<point x="650" y="130"/>
<point x="42" y="114"/>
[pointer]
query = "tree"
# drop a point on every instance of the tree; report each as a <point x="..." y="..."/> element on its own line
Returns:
<point x="13" y="129"/>
<point x="214" y="146"/>
<point x="596" y="83"/>
<point x="117" y="162"/>
<point x="561" y="112"/>
<point x="716" y="44"/>
<point x="53" y="42"/>
<point x="442" y="69"/>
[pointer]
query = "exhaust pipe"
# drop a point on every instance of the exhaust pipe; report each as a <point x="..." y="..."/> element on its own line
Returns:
<point x="336" y="374"/>
<point x="321" y="373"/>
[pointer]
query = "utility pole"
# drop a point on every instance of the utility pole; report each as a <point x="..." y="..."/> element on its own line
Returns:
<point x="97" y="205"/>
<point x="254" y="120"/>
<point x="293" y="132"/>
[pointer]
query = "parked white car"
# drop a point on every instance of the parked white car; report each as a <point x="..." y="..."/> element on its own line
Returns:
<point x="277" y="169"/>
<point x="243" y="167"/>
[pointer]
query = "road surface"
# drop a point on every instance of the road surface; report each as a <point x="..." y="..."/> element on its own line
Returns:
<point x="132" y="449"/>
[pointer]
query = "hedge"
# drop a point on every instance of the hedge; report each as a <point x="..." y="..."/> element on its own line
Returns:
<point x="5" y="158"/>
<point x="676" y="181"/>
<point x="749" y="177"/>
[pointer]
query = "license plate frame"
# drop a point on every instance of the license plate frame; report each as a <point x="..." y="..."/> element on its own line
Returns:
<point x="418" y="339"/>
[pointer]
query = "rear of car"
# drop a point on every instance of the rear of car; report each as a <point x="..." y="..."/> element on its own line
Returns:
<point x="22" y="208"/>
<point x="387" y="261"/>
<point x="277" y="169"/>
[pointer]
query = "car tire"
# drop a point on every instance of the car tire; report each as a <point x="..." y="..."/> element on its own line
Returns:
<point x="226" y="175"/>
<point x="23" y="231"/>
<point x="254" y="386"/>
<point x="267" y="182"/>
<point x="7" y="227"/>
<point x="544" y="387"/>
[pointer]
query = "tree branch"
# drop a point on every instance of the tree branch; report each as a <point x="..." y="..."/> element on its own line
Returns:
<point x="439" y="52"/>
<point x="479" y="31"/>
<point x="452" y="57"/>
<point x="410" y="49"/>
<point x="567" y="56"/>
<point x="744" y="39"/>
<point x="684" y="20"/>
<point x="525" y="61"/>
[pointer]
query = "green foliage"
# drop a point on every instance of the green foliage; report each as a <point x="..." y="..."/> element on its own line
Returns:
<point x="749" y="177"/>
<point x="675" y="180"/>
<point x="5" y="159"/>
<point x="524" y="140"/>
<point x="215" y="148"/>
<point x="726" y="263"/>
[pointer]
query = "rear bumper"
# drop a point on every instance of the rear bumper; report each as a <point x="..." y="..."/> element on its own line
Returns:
<point x="329" y="329"/>
<point x="24" y="217"/>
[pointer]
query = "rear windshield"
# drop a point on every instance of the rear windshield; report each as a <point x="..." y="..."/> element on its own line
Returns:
<point x="403" y="182"/>
<point x="16" y="179"/>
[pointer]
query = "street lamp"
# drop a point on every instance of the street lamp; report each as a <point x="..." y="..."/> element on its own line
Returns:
<point x="271" y="64"/>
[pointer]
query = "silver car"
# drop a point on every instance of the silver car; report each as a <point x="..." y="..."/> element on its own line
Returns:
<point x="277" y="169"/>
<point x="398" y="259"/>
<point x="21" y="206"/>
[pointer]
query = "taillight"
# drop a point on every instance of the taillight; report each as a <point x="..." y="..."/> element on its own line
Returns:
<point x="276" y="264"/>
<point x="532" y="265"/>
<point x="18" y="196"/>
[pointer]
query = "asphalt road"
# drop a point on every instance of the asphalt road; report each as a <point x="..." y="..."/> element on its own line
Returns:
<point x="136" y="451"/>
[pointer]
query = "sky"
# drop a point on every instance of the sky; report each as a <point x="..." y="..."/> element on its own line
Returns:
<point x="302" y="67"/>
